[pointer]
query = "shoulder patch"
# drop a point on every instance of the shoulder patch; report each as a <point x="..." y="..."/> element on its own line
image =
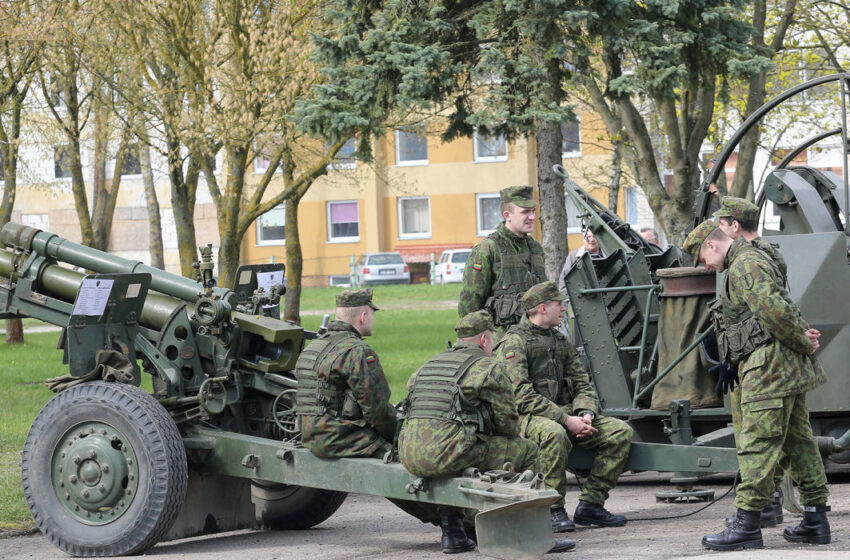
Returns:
<point x="370" y="359"/>
<point x="510" y="355"/>
<point x="477" y="267"/>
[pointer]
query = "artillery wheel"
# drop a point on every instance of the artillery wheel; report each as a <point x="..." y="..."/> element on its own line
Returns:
<point x="104" y="470"/>
<point x="280" y="506"/>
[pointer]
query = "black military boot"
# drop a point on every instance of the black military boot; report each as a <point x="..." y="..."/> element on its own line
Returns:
<point x="454" y="534"/>
<point x="771" y="515"/>
<point x="588" y="513"/>
<point x="562" y="545"/>
<point x="561" y="521"/>
<point x="743" y="533"/>
<point x="813" y="529"/>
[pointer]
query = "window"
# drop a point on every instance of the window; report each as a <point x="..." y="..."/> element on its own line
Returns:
<point x="414" y="217"/>
<point x="343" y="222"/>
<point x="571" y="143"/>
<point x="487" y="213"/>
<point x="271" y="227"/>
<point x="630" y="203"/>
<point x="490" y="148"/>
<point x="573" y="216"/>
<point x="261" y="163"/>
<point x="345" y="158"/>
<point x="131" y="165"/>
<point x="411" y="146"/>
<point x="61" y="161"/>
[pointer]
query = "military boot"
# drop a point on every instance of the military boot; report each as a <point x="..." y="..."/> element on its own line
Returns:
<point x="813" y="529"/>
<point x="588" y="513"/>
<point x="771" y="515"/>
<point x="561" y="521"/>
<point x="562" y="545"/>
<point x="743" y="533"/>
<point x="454" y="535"/>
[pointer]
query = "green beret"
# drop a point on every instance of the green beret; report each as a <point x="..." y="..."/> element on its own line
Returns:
<point x="696" y="238"/>
<point x="355" y="298"/>
<point x="541" y="293"/>
<point x="736" y="208"/>
<point x="521" y="195"/>
<point x="473" y="324"/>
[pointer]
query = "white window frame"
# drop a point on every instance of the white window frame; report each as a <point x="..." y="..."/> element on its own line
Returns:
<point x="630" y="198"/>
<point x="410" y="162"/>
<point x="336" y="164"/>
<point x="270" y="242"/>
<point x="487" y="159"/>
<point x="423" y="235"/>
<point x="350" y="239"/>
<point x="480" y="231"/>
<point x="574" y="153"/>
<point x="573" y="224"/>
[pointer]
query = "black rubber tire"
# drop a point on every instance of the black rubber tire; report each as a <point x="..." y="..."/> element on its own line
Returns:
<point x="160" y="461"/>
<point x="281" y="507"/>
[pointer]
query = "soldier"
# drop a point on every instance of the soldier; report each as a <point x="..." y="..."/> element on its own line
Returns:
<point x="763" y="332"/>
<point x="343" y="399"/>
<point x="559" y="408"/>
<point x="503" y="266"/>
<point x="462" y="413"/>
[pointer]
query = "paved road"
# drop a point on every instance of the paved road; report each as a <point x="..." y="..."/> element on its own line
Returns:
<point x="369" y="527"/>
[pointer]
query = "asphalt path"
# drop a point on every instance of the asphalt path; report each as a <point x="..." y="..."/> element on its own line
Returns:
<point x="370" y="527"/>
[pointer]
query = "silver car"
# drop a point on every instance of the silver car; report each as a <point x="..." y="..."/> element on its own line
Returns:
<point x="381" y="268"/>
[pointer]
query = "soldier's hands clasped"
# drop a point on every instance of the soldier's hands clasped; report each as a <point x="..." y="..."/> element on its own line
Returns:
<point x="727" y="377"/>
<point x="579" y="427"/>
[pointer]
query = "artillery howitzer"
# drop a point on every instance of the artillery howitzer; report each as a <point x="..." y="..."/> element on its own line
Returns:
<point x="640" y="317"/>
<point x="109" y="469"/>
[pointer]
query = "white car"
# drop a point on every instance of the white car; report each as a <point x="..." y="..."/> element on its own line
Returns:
<point x="381" y="268"/>
<point x="450" y="266"/>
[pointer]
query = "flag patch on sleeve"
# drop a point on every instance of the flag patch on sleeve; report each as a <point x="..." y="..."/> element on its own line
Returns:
<point x="370" y="359"/>
<point x="510" y="355"/>
<point x="476" y="267"/>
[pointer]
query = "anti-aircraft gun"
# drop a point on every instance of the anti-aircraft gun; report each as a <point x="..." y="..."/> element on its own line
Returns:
<point x="110" y="469"/>
<point x="640" y="313"/>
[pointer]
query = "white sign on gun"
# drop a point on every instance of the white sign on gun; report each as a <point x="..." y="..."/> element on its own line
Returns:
<point x="93" y="297"/>
<point x="266" y="280"/>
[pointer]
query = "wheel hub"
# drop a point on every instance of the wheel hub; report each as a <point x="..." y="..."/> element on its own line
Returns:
<point x="95" y="472"/>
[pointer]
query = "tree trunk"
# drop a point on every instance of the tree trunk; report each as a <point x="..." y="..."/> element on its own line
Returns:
<point x="14" y="331"/>
<point x="228" y="211"/>
<point x="152" y="203"/>
<point x="616" y="175"/>
<point x="294" y="264"/>
<point x="183" y="204"/>
<point x="553" y="211"/>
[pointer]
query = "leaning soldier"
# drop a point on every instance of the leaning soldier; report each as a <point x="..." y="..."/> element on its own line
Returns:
<point x="461" y="414"/>
<point x="505" y="264"/>
<point x="559" y="408"/>
<point x="343" y="399"/>
<point x="738" y="217"/>
<point x="763" y="332"/>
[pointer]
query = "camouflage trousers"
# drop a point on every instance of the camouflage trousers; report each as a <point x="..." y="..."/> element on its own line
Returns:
<point x="769" y="429"/>
<point x="735" y="405"/>
<point x="611" y="442"/>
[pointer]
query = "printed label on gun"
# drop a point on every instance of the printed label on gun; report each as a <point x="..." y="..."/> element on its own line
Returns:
<point x="93" y="297"/>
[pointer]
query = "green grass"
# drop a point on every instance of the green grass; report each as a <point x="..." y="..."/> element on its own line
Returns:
<point x="398" y="295"/>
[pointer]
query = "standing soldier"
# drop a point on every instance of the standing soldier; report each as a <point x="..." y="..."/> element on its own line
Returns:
<point x="559" y="408"/>
<point x="764" y="333"/>
<point x="461" y="414"/>
<point x="506" y="264"/>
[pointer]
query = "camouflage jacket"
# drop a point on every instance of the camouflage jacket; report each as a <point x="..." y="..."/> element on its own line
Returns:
<point x="575" y="393"/>
<point x="774" y="254"/>
<point x="352" y="362"/>
<point x="484" y="269"/>
<point x="429" y="447"/>
<point x="783" y="366"/>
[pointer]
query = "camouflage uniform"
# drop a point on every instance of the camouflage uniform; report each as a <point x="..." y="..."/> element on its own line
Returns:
<point x="775" y="377"/>
<point x="501" y="268"/>
<point x="550" y="384"/>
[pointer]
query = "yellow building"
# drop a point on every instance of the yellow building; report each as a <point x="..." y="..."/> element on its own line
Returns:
<point x="422" y="196"/>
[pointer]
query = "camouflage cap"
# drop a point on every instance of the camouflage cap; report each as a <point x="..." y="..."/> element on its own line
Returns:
<point x="541" y="293"/>
<point x="521" y="195"/>
<point x="355" y="298"/>
<point x="736" y="208"/>
<point x="696" y="238"/>
<point x="473" y="324"/>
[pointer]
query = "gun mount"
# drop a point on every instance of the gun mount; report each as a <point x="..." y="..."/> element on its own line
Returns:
<point x="109" y="469"/>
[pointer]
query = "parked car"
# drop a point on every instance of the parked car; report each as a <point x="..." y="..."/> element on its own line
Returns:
<point x="450" y="266"/>
<point x="381" y="268"/>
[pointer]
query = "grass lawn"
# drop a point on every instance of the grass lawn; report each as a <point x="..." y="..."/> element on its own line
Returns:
<point x="414" y="324"/>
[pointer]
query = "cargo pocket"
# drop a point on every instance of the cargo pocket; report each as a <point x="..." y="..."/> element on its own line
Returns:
<point x="761" y="424"/>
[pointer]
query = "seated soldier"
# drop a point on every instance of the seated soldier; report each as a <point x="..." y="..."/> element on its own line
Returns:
<point x="558" y="407"/>
<point x="462" y="414"/>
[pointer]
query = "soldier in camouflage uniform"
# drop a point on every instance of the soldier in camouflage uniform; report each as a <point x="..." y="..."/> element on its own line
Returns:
<point x="506" y="264"/>
<point x="343" y="399"/>
<point x="462" y="413"/>
<point x="764" y="333"/>
<point x="559" y="408"/>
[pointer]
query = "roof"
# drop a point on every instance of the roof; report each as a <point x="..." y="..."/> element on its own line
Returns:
<point x="422" y="253"/>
